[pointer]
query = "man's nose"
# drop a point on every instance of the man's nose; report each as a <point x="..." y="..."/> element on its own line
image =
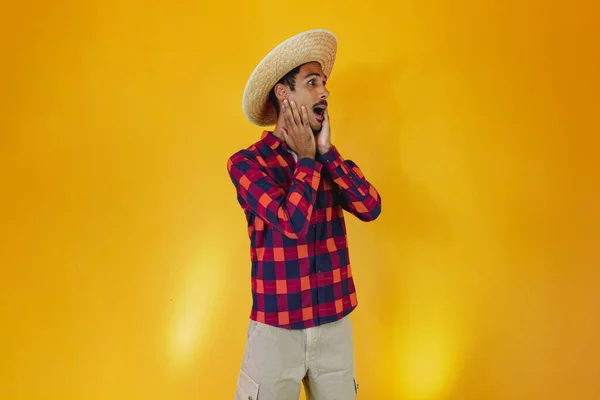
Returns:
<point x="324" y="93"/>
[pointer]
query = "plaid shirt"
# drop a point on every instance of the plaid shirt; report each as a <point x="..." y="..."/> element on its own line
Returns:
<point x="301" y="274"/>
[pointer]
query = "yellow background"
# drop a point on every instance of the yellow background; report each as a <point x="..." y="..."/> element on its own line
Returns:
<point x="125" y="270"/>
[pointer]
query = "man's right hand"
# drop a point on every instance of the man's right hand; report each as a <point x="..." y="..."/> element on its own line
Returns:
<point x="297" y="133"/>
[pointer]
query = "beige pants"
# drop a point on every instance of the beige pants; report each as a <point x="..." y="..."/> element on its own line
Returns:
<point x="277" y="360"/>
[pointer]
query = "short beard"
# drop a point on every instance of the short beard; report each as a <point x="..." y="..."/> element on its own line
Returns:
<point x="315" y="130"/>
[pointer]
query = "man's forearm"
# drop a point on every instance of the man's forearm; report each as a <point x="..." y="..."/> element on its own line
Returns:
<point x="358" y="195"/>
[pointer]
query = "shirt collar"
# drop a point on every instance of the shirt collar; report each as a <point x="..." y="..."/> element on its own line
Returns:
<point x="273" y="141"/>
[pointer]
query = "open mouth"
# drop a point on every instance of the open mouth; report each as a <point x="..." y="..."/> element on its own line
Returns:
<point x="319" y="112"/>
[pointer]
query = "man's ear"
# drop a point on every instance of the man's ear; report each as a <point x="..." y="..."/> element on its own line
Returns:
<point x="281" y="91"/>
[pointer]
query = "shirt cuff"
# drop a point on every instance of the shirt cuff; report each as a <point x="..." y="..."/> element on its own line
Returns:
<point x="330" y="159"/>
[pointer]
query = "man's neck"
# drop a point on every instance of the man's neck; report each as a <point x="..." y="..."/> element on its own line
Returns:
<point x="278" y="131"/>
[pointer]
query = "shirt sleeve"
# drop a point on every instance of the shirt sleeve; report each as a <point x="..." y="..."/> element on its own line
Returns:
<point x="357" y="194"/>
<point x="288" y="212"/>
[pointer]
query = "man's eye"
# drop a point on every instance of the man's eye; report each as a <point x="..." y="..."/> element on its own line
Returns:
<point x="311" y="82"/>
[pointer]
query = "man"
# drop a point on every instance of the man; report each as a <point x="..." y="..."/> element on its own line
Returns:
<point x="293" y="186"/>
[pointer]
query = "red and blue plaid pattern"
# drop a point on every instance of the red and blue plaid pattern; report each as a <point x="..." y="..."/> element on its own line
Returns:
<point x="301" y="274"/>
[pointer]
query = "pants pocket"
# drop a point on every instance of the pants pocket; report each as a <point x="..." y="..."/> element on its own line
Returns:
<point x="247" y="389"/>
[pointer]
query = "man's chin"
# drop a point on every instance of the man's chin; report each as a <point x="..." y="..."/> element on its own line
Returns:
<point x="316" y="129"/>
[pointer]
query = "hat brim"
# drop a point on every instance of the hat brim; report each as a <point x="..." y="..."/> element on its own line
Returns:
<point x="312" y="46"/>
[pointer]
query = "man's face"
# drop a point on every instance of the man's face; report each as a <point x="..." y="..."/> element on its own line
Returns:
<point x="311" y="93"/>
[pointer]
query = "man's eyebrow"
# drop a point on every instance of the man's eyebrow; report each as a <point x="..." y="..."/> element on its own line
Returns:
<point x="314" y="74"/>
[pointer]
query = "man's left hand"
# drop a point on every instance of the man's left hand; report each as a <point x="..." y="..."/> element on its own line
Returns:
<point x="324" y="137"/>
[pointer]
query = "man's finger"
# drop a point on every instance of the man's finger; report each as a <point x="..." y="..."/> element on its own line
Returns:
<point x="287" y="112"/>
<point x="288" y="140"/>
<point x="304" y="116"/>
<point x="296" y="114"/>
<point x="291" y="121"/>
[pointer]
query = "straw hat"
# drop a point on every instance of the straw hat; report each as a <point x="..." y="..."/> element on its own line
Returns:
<point x="315" y="45"/>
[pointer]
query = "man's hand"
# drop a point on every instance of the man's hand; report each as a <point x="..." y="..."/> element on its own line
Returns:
<point x="297" y="132"/>
<point x="324" y="137"/>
